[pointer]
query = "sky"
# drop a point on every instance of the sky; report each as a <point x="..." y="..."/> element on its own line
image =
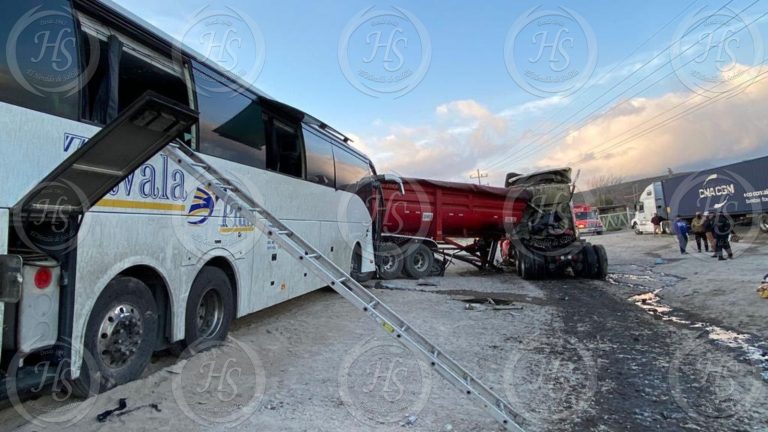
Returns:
<point x="441" y="89"/>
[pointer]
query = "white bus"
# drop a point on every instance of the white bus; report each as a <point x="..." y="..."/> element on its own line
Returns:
<point x="159" y="261"/>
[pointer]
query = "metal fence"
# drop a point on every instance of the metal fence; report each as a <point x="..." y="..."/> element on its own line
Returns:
<point x="616" y="221"/>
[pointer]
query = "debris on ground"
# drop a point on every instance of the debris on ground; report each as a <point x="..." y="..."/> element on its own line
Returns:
<point x="121" y="405"/>
<point x="410" y="421"/>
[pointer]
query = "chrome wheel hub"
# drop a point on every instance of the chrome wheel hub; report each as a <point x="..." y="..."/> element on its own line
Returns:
<point x="210" y="312"/>
<point x="120" y="335"/>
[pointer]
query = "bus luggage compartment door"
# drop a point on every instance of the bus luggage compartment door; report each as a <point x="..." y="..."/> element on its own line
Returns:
<point x="137" y="134"/>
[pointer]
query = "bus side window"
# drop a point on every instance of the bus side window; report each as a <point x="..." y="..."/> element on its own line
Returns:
<point x="284" y="154"/>
<point x="40" y="65"/>
<point x="350" y="169"/>
<point x="320" y="167"/>
<point x="231" y="125"/>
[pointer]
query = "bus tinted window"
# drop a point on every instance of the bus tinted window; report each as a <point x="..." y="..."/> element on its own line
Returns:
<point x="41" y="68"/>
<point x="320" y="168"/>
<point x="350" y="169"/>
<point x="231" y="125"/>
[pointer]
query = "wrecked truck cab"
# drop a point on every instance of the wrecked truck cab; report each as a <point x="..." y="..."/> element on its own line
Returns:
<point x="546" y="241"/>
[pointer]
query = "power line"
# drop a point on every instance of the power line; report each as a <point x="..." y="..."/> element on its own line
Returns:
<point x="606" y="74"/>
<point x="551" y="141"/>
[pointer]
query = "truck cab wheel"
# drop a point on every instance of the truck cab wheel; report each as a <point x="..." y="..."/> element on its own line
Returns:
<point x="588" y="261"/>
<point x="418" y="262"/>
<point x="390" y="261"/>
<point x="637" y="229"/>
<point x="602" y="262"/>
<point x="764" y="222"/>
<point x="119" y="338"/>
<point x="530" y="267"/>
<point x="210" y="307"/>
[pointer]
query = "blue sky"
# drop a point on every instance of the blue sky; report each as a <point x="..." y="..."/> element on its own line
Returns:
<point x="467" y="102"/>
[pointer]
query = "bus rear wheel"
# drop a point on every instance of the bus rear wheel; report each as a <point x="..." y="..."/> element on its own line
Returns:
<point x="119" y="337"/>
<point x="210" y="307"/>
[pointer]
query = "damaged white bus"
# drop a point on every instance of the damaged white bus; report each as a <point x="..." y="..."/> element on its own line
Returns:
<point x="160" y="261"/>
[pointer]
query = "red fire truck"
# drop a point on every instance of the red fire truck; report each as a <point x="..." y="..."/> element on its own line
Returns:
<point x="587" y="220"/>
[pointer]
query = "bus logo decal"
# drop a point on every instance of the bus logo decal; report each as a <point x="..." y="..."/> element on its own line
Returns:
<point x="73" y="142"/>
<point x="202" y="207"/>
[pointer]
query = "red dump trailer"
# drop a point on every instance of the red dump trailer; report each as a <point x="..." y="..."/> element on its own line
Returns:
<point x="427" y="223"/>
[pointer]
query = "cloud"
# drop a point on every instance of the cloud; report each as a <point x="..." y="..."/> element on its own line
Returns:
<point x="726" y="129"/>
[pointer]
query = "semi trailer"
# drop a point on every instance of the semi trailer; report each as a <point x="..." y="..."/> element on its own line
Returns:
<point x="426" y="224"/>
<point x="738" y="190"/>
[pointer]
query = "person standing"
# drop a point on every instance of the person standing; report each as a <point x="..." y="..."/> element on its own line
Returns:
<point x="697" y="226"/>
<point x="709" y="229"/>
<point x="723" y="230"/>
<point x="656" y="221"/>
<point x="681" y="231"/>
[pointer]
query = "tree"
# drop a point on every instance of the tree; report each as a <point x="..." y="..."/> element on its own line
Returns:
<point x="601" y="186"/>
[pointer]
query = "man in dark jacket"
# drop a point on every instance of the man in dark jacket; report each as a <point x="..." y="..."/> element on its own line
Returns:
<point x="723" y="230"/>
<point x="656" y="221"/>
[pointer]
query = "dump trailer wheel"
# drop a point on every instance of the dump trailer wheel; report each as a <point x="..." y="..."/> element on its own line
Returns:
<point x="418" y="263"/>
<point x="119" y="338"/>
<point x="210" y="307"/>
<point x="390" y="261"/>
<point x="602" y="262"/>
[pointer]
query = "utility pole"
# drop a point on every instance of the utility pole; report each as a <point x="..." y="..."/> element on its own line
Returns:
<point x="479" y="177"/>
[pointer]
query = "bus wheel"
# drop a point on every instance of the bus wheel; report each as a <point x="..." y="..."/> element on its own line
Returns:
<point x="418" y="263"/>
<point x="390" y="261"/>
<point x="119" y="338"/>
<point x="357" y="265"/>
<point x="602" y="262"/>
<point x="210" y="307"/>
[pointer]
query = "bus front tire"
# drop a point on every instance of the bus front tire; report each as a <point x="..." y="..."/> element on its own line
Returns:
<point x="210" y="308"/>
<point x="119" y="338"/>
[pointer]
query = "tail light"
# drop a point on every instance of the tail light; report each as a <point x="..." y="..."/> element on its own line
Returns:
<point x="43" y="277"/>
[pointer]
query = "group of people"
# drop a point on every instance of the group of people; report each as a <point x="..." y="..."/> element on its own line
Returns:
<point x="713" y="231"/>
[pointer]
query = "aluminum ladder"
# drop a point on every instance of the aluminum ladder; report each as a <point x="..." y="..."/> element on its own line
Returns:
<point x="342" y="283"/>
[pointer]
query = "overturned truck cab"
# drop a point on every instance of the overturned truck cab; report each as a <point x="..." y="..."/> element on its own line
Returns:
<point x="545" y="241"/>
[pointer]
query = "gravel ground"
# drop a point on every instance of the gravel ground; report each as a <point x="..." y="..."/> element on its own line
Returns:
<point x="569" y="355"/>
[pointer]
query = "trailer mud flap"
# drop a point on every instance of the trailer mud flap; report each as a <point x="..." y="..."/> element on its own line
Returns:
<point x="136" y="135"/>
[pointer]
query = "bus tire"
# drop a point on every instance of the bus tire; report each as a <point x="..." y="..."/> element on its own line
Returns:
<point x="210" y="307"/>
<point x="602" y="262"/>
<point x="119" y="338"/>
<point x="390" y="261"/>
<point x="357" y="265"/>
<point x="418" y="262"/>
